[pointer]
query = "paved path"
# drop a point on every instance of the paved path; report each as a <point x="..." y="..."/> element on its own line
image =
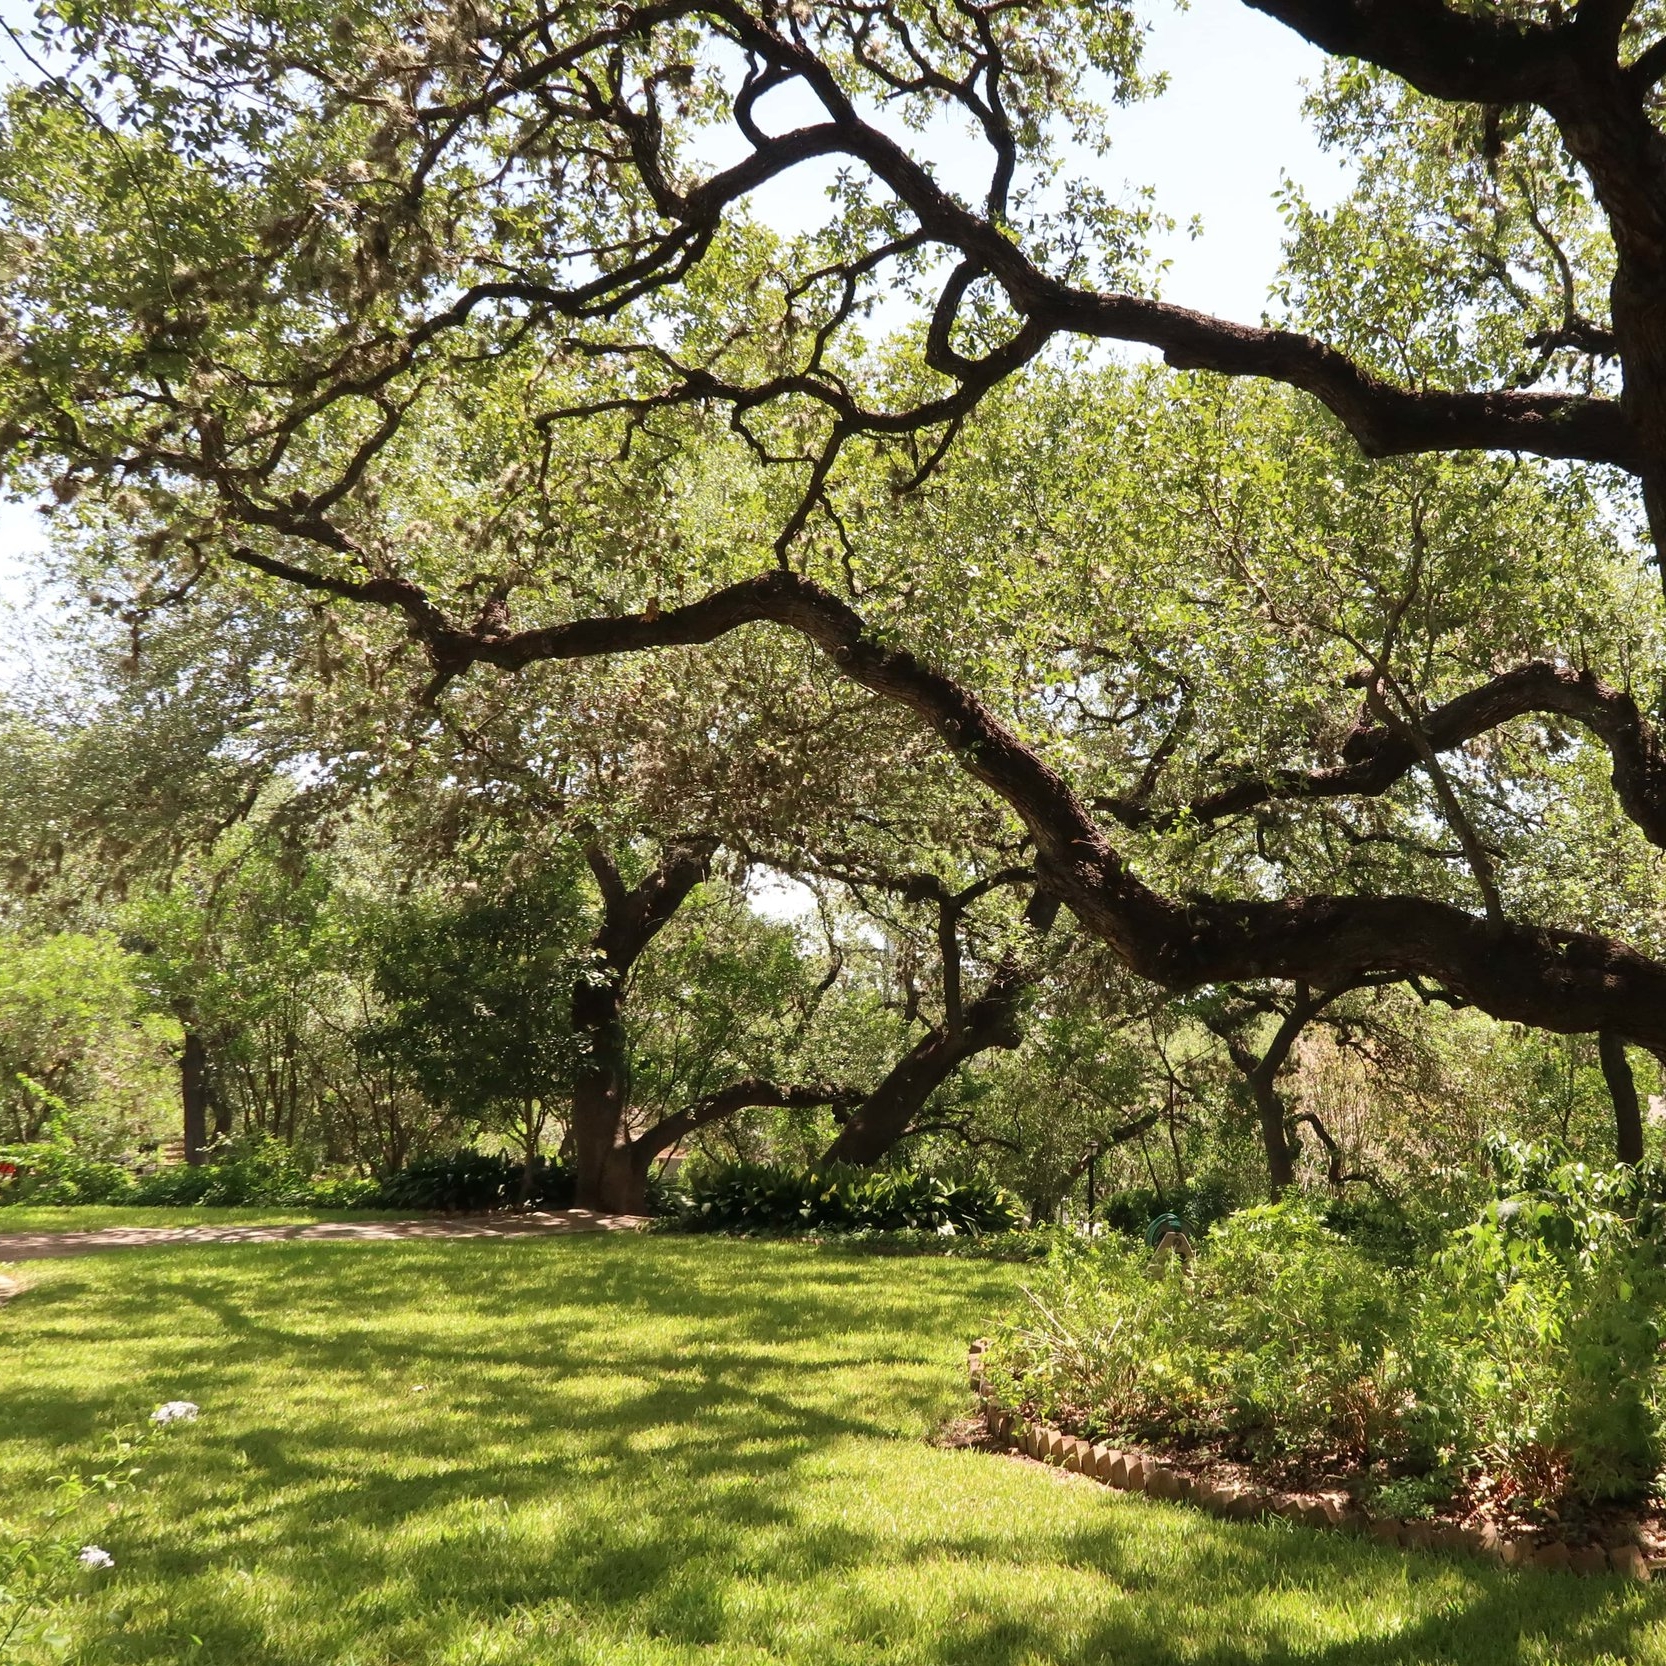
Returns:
<point x="37" y="1246"/>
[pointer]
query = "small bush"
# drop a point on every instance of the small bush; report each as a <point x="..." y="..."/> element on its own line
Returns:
<point x="174" y="1186"/>
<point x="751" y="1197"/>
<point x="54" y="1172"/>
<point x="1281" y="1336"/>
<point x="469" y="1182"/>
<point x="346" y="1191"/>
<point x="46" y="1566"/>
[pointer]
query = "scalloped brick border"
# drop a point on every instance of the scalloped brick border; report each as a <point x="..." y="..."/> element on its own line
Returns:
<point x="1138" y="1472"/>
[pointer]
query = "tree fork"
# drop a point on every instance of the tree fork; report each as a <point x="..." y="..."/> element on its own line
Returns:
<point x="991" y="1021"/>
<point x="1375" y="758"/>
<point x="607" y="1175"/>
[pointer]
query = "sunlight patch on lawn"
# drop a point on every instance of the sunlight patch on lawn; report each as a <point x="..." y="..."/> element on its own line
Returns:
<point x="657" y="1450"/>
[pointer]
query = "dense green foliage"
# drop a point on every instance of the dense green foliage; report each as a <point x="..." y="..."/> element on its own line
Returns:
<point x="80" y="1047"/>
<point x="1520" y="1360"/>
<point x="265" y="1172"/>
<point x="476" y="997"/>
<point x="762" y="1197"/>
<point x="1281" y="1336"/>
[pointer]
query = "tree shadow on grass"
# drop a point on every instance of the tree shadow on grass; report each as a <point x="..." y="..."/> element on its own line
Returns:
<point x="646" y="1435"/>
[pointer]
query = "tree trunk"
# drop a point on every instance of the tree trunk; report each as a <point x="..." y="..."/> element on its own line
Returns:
<point x="624" y="1182"/>
<point x="194" y="1096"/>
<point x="219" y="1109"/>
<point x="1262" y="1073"/>
<point x="1628" y="1115"/>
<point x="1281" y="1161"/>
<point x="532" y="1125"/>
<point x="599" y="1095"/>
<point x="887" y="1113"/>
<point x="608" y="1175"/>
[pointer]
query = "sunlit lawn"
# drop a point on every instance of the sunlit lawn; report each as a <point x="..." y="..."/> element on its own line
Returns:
<point x="653" y="1449"/>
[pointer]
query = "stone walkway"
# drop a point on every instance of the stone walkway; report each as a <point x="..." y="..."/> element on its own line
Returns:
<point x="37" y="1246"/>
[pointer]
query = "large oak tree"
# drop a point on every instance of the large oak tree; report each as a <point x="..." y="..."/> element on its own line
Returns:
<point x="420" y="309"/>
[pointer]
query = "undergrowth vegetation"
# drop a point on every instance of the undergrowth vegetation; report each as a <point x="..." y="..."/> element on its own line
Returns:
<point x="269" y="1173"/>
<point x="1517" y="1359"/>
<point x="770" y="1197"/>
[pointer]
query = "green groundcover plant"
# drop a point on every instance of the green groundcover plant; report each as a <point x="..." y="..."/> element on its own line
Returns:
<point x="48" y="1563"/>
<point x="271" y="1173"/>
<point x="1519" y="1356"/>
<point x="766" y="1197"/>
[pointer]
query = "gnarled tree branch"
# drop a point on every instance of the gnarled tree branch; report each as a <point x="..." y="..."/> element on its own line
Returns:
<point x="1565" y="981"/>
<point x="1376" y="757"/>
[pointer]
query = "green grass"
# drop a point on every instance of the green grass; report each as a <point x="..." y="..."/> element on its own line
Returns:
<point x="93" y="1217"/>
<point x="656" y="1450"/>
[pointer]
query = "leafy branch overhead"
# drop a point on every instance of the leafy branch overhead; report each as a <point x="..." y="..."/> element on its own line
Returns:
<point x="466" y="316"/>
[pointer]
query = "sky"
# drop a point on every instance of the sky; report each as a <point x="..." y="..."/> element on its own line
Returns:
<point x="1213" y="146"/>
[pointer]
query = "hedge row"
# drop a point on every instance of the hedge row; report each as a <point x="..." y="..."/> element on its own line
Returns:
<point x="751" y="1197"/>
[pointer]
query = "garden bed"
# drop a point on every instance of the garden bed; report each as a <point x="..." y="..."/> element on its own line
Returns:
<point x="1599" y="1540"/>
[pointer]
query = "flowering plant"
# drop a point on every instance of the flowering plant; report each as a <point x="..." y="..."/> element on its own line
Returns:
<point x="41" y="1568"/>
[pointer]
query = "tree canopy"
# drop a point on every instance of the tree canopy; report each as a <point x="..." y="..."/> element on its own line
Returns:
<point x="440" y="350"/>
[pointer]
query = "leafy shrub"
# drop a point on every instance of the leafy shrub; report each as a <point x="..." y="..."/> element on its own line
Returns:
<point x="465" y="1180"/>
<point x="470" y="1181"/>
<point x="1199" y="1205"/>
<point x="56" y="1172"/>
<point x="45" y="1565"/>
<point x="174" y="1186"/>
<point x="344" y="1191"/>
<point x="1281" y="1335"/>
<point x="268" y="1173"/>
<point x="765" y="1197"/>
<point x="251" y="1172"/>
<point x="1382" y="1228"/>
<point x="1561" y="1281"/>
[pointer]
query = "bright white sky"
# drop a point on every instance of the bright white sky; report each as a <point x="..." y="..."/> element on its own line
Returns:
<point x="1214" y="146"/>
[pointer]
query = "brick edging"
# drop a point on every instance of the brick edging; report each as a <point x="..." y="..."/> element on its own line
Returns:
<point x="1138" y="1472"/>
